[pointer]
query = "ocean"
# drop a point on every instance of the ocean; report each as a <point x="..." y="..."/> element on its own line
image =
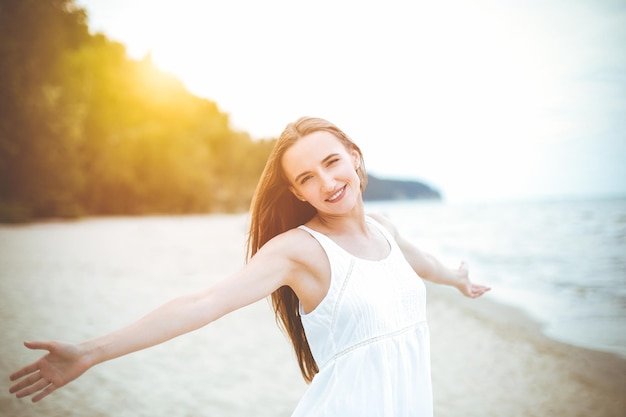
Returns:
<point x="561" y="262"/>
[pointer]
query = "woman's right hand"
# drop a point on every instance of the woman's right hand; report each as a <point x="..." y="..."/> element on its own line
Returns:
<point x="63" y="363"/>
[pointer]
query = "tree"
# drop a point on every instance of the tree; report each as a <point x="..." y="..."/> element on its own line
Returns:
<point x="37" y="137"/>
<point x="86" y="130"/>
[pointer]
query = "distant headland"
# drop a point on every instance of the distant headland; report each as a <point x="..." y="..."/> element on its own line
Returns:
<point x="390" y="189"/>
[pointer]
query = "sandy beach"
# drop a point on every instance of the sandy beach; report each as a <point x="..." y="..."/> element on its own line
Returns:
<point x="76" y="280"/>
<point x="491" y="360"/>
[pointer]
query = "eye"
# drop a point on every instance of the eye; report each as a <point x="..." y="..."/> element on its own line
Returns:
<point x="332" y="161"/>
<point x="305" y="179"/>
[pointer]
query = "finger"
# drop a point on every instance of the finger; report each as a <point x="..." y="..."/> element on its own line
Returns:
<point x="38" y="386"/>
<point x="24" y="371"/>
<point x="38" y="345"/>
<point x="25" y="383"/>
<point x="478" y="291"/>
<point x="49" y="390"/>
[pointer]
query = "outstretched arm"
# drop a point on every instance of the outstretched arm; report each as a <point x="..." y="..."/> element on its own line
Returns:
<point x="429" y="267"/>
<point x="64" y="362"/>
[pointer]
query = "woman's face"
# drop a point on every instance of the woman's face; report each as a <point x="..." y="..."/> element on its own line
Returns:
<point x="322" y="172"/>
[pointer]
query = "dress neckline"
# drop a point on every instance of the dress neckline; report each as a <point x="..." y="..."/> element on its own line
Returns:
<point x="369" y="221"/>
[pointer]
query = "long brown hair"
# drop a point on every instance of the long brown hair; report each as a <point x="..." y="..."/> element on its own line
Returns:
<point x="275" y="210"/>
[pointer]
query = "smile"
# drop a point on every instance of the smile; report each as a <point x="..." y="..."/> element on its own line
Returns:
<point x="336" y="195"/>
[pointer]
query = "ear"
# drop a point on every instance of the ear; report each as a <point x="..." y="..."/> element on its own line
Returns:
<point x="356" y="158"/>
<point x="296" y="193"/>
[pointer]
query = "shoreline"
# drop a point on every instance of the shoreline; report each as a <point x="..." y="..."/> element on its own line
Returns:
<point x="524" y="371"/>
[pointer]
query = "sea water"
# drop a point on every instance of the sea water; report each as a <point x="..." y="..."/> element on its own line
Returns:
<point x="562" y="262"/>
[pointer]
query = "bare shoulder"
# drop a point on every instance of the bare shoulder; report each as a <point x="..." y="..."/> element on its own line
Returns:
<point x="295" y="245"/>
<point x="305" y="266"/>
<point x="385" y="222"/>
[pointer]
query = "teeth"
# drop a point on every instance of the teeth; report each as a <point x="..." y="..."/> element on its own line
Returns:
<point x="334" y="196"/>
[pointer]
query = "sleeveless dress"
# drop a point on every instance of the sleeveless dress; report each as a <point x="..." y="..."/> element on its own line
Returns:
<point x="369" y="338"/>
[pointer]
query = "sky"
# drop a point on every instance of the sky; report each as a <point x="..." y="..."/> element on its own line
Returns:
<point x="483" y="100"/>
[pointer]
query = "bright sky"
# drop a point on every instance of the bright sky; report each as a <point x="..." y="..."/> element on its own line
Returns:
<point x="483" y="99"/>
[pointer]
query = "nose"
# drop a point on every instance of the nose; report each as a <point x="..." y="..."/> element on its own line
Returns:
<point x="328" y="182"/>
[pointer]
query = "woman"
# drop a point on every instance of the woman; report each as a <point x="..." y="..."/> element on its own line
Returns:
<point x="343" y="285"/>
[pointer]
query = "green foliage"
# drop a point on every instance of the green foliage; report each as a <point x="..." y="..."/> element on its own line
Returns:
<point x="84" y="130"/>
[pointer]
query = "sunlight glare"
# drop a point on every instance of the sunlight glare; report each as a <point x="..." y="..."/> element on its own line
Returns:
<point x="462" y="81"/>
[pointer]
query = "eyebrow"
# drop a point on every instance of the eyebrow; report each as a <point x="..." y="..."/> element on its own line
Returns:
<point x="332" y="155"/>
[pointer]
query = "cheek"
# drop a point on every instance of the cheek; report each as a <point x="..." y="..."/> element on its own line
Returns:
<point x="302" y="189"/>
<point x="350" y="170"/>
<point x="308" y="188"/>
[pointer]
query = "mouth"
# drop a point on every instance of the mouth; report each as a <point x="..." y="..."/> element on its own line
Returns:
<point x="337" y="195"/>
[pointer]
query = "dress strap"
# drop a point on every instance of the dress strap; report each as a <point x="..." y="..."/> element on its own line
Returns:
<point x="341" y="264"/>
<point x="385" y="232"/>
<point x="329" y="245"/>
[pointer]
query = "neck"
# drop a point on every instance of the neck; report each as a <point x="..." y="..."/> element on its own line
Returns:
<point x="350" y="222"/>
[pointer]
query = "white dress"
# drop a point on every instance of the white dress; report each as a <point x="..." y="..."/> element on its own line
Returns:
<point x="369" y="338"/>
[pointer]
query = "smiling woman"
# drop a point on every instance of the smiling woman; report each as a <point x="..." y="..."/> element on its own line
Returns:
<point x="307" y="239"/>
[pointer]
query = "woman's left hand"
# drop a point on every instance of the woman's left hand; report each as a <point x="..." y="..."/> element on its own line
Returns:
<point x="467" y="287"/>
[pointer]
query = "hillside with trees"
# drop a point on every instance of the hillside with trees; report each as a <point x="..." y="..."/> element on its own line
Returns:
<point x="85" y="130"/>
<point x="394" y="189"/>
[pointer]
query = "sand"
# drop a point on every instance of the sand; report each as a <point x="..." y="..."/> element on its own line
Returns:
<point x="75" y="280"/>
<point x="492" y="360"/>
